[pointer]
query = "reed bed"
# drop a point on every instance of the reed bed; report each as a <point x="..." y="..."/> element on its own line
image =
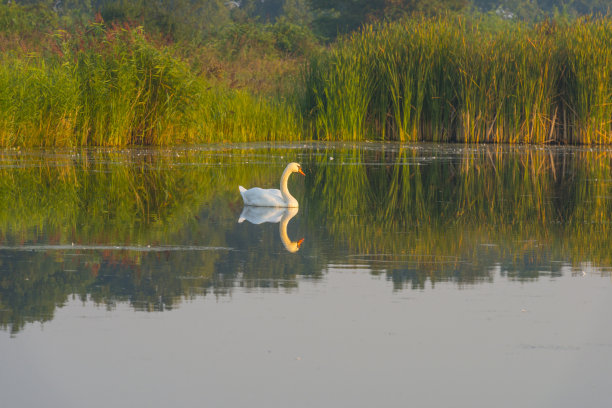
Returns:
<point x="112" y="86"/>
<point x="452" y="79"/>
<point x="448" y="79"/>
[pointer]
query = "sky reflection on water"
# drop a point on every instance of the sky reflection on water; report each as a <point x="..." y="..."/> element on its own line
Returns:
<point x="346" y="340"/>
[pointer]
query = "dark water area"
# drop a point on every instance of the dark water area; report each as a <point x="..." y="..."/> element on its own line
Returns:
<point x="421" y="274"/>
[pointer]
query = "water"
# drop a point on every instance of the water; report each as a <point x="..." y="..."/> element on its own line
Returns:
<point x="428" y="275"/>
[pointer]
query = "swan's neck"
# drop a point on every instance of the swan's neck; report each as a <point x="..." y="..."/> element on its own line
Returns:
<point x="289" y="199"/>
<point x="288" y="244"/>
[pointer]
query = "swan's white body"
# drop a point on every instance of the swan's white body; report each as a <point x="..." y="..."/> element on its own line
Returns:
<point x="260" y="197"/>
<point x="259" y="215"/>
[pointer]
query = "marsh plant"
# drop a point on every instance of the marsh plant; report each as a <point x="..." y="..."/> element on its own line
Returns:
<point x="457" y="79"/>
<point x="110" y="86"/>
<point x="449" y="78"/>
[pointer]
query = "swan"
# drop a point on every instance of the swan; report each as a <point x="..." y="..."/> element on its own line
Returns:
<point x="260" y="197"/>
<point x="259" y="215"/>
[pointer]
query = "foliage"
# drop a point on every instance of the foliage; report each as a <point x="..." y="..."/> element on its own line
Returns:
<point x="113" y="86"/>
<point x="180" y="20"/>
<point x="292" y="38"/>
<point x="340" y="17"/>
<point x="104" y="87"/>
<point x="143" y="73"/>
<point x="531" y="10"/>
<point x="449" y="79"/>
<point x="25" y="20"/>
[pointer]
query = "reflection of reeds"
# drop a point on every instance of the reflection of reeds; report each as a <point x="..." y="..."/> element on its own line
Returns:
<point x="98" y="197"/>
<point x="394" y="209"/>
<point x="118" y="196"/>
<point x="109" y="199"/>
<point x="520" y="208"/>
<point x="451" y="79"/>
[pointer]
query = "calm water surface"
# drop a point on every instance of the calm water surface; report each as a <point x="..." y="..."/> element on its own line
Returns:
<point x="428" y="276"/>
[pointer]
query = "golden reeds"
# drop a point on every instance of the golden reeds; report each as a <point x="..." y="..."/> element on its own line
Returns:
<point x="451" y="79"/>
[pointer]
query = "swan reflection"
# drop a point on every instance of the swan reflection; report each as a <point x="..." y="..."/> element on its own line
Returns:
<point x="259" y="215"/>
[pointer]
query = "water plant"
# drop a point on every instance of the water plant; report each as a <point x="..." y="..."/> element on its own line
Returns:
<point x="111" y="86"/>
<point x="448" y="79"/>
<point x="456" y="79"/>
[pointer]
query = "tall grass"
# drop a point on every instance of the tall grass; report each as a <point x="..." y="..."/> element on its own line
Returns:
<point x="443" y="79"/>
<point x="239" y="116"/>
<point x="451" y="79"/>
<point x="110" y="86"/>
<point x="586" y="100"/>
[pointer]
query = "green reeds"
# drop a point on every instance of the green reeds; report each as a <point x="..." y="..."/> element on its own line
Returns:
<point x="444" y="79"/>
<point x="342" y="102"/>
<point x="449" y="79"/>
<point x="586" y="87"/>
<point x="114" y="86"/>
<point x="239" y="116"/>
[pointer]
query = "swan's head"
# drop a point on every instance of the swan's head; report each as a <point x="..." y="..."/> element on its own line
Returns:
<point x="295" y="168"/>
<point x="292" y="246"/>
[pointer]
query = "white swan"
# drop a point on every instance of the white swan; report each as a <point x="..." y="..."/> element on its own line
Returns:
<point x="271" y="197"/>
<point x="259" y="215"/>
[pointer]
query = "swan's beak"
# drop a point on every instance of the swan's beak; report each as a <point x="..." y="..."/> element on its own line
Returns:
<point x="301" y="172"/>
<point x="299" y="243"/>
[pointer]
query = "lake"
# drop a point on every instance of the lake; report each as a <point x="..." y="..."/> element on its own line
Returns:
<point x="412" y="275"/>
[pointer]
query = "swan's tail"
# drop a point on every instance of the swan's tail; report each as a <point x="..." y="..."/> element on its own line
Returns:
<point x="242" y="190"/>
<point x="242" y="193"/>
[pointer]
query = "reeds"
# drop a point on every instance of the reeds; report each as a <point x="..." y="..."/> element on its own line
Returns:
<point x="112" y="86"/>
<point x="451" y="79"/>
<point x="444" y="79"/>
